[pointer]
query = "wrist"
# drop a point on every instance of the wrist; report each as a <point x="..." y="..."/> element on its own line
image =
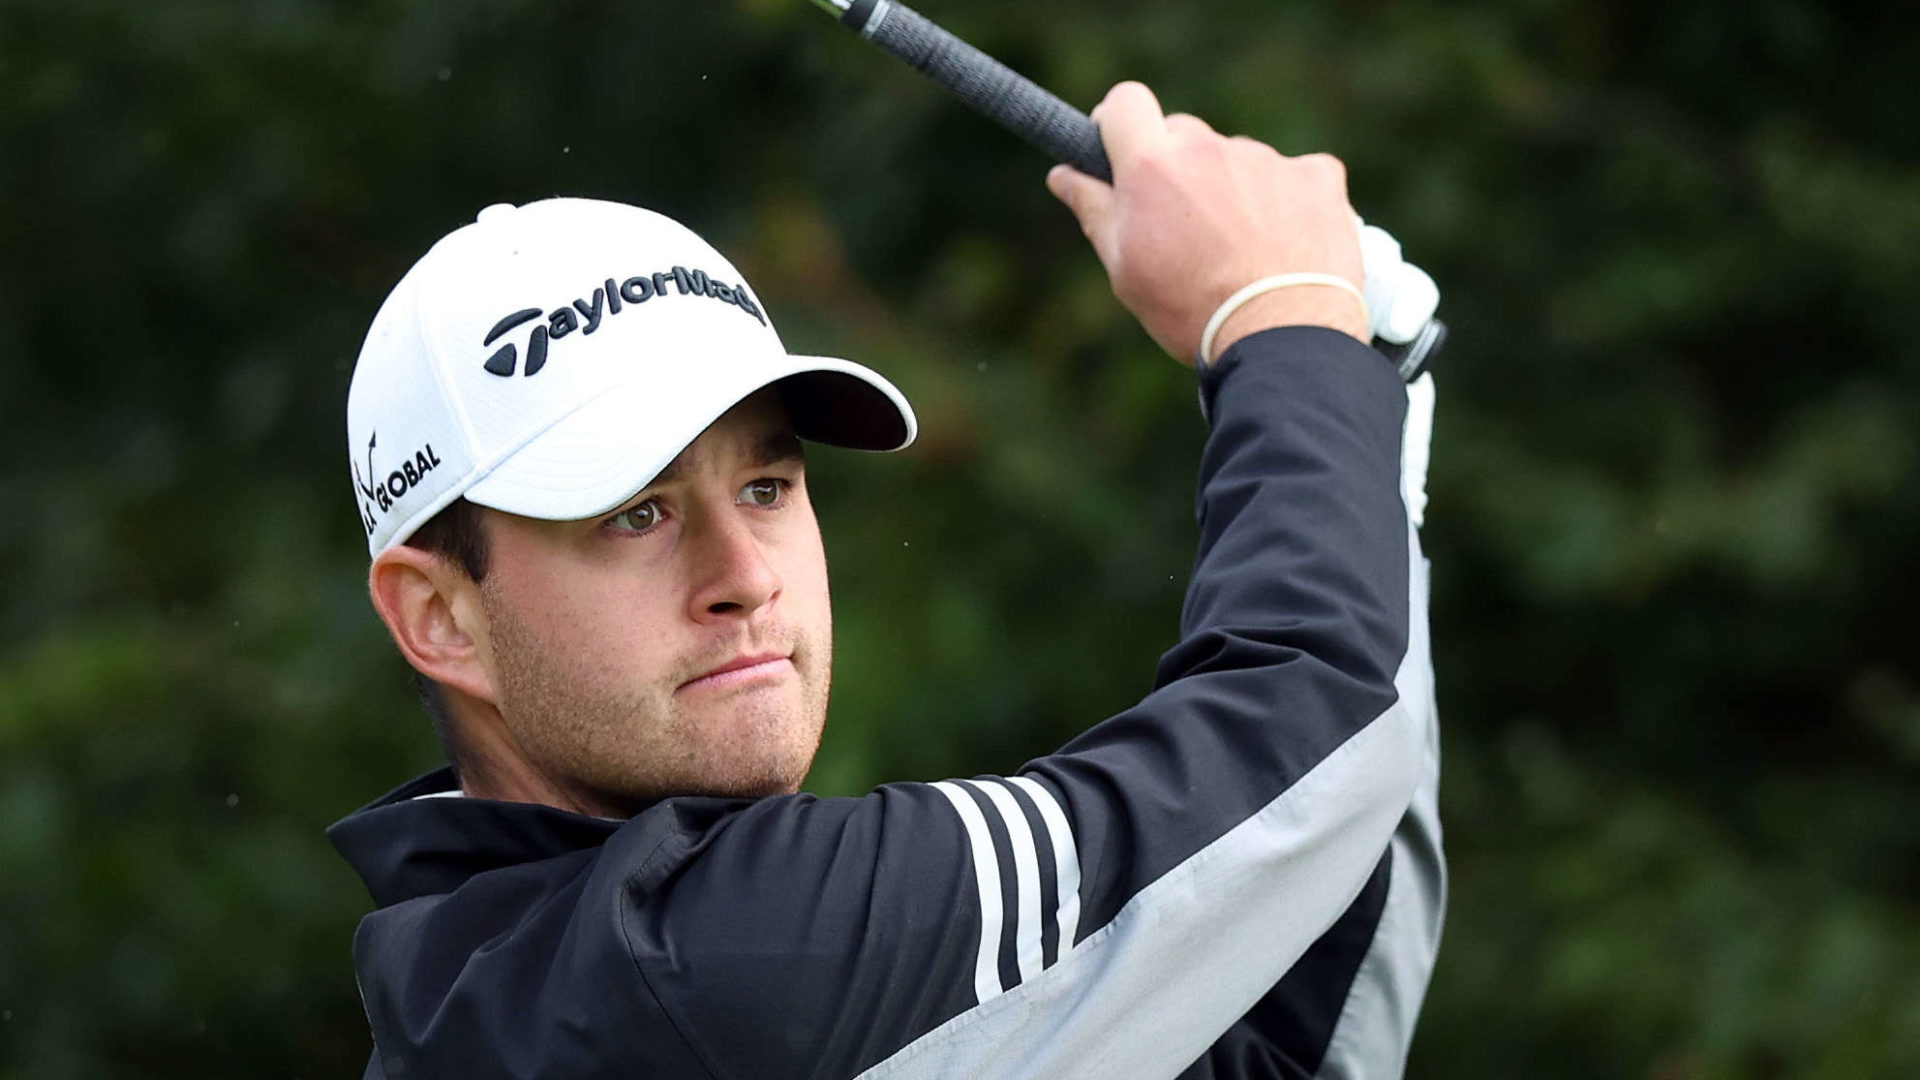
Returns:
<point x="1300" y="305"/>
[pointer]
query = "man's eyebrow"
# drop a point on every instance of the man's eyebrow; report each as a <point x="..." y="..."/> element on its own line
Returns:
<point x="777" y="449"/>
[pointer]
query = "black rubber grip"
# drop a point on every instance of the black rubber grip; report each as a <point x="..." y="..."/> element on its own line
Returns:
<point x="1062" y="131"/>
<point x="1416" y="356"/>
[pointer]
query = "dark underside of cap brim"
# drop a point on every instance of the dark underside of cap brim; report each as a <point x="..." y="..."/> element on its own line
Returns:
<point x="841" y="410"/>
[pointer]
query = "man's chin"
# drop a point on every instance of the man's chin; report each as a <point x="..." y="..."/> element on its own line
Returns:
<point x="751" y="749"/>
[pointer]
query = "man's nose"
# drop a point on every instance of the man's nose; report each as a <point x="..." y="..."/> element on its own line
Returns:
<point x="733" y="575"/>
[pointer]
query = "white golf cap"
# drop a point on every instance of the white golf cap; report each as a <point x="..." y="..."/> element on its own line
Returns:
<point x="551" y="359"/>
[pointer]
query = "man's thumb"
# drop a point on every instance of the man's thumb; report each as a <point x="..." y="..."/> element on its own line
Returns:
<point x="1090" y="200"/>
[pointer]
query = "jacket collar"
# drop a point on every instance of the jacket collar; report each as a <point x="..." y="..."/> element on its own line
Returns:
<point x="405" y="846"/>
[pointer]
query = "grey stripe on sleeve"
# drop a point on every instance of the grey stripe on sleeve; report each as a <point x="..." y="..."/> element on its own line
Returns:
<point x="1375" y="1029"/>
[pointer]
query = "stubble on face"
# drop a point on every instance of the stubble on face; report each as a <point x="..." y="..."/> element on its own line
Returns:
<point x="592" y="729"/>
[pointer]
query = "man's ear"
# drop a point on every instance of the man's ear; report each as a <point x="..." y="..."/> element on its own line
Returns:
<point x="432" y="609"/>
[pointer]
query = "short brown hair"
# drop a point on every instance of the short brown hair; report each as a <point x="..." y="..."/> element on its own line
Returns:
<point x="456" y="533"/>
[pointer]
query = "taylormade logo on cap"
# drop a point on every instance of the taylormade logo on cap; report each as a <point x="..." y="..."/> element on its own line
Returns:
<point x="584" y="314"/>
<point x="489" y="373"/>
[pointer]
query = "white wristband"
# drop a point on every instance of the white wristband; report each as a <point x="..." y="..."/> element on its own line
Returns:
<point x="1267" y="285"/>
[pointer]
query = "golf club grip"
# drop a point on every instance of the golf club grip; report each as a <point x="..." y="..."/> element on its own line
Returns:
<point x="1062" y="131"/>
<point x="1413" y="359"/>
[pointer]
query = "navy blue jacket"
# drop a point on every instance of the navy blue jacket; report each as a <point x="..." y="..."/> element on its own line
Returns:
<point x="1238" y="877"/>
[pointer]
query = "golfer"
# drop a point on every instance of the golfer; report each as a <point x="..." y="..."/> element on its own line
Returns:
<point x="577" y="449"/>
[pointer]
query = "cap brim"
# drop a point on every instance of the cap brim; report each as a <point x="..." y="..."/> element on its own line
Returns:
<point x="601" y="454"/>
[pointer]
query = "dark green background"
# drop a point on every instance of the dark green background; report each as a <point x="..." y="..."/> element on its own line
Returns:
<point x="1673" y="527"/>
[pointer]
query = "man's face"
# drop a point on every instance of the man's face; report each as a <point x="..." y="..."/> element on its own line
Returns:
<point x="617" y="643"/>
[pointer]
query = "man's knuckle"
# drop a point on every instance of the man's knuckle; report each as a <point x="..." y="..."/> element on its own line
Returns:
<point x="1188" y="124"/>
<point x="1326" y="166"/>
<point x="1253" y="149"/>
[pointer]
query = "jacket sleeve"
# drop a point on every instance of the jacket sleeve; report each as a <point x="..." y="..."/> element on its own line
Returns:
<point x="1128" y="898"/>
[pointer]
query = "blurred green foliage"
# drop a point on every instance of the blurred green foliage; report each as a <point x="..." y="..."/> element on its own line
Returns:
<point x="1673" y="525"/>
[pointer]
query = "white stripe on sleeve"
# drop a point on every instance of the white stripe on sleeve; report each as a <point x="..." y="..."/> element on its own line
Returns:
<point x="986" y="875"/>
<point x="1066" y="858"/>
<point x="1026" y="876"/>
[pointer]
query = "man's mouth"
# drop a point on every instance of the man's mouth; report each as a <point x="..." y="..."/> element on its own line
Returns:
<point x="742" y="670"/>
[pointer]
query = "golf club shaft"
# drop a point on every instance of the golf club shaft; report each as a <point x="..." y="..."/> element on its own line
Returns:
<point x="1022" y="107"/>
<point x="1061" y="131"/>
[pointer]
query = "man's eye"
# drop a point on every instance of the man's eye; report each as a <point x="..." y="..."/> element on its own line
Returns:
<point x="639" y="518"/>
<point x="763" y="492"/>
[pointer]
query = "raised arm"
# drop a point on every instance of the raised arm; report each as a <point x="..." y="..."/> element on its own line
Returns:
<point x="1127" y="898"/>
